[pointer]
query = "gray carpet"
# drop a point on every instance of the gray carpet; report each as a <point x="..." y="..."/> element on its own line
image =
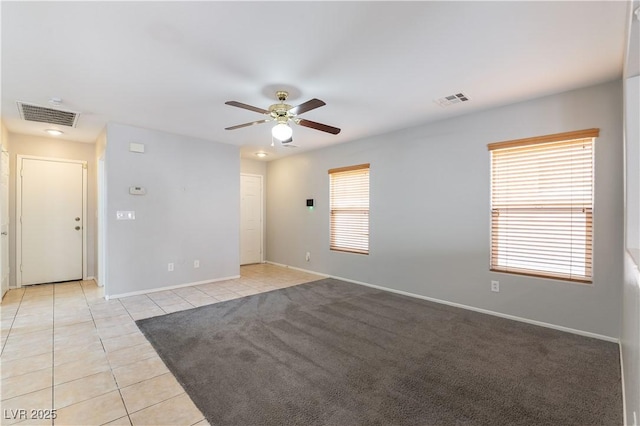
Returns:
<point x="335" y="353"/>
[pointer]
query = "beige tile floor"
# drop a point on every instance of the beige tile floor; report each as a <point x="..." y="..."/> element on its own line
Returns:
<point x="66" y="348"/>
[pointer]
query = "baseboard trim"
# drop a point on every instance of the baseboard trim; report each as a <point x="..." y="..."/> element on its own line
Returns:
<point x="624" y="397"/>
<point x="471" y="308"/>
<point x="489" y="312"/>
<point x="171" y="287"/>
<point x="301" y="270"/>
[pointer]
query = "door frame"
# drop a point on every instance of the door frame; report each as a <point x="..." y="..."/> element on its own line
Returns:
<point x="101" y="277"/>
<point x="5" y="201"/>
<point x="19" y="211"/>
<point x="261" y="213"/>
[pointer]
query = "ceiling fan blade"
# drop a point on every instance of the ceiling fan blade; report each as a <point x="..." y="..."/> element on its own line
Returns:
<point x="307" y="106"/>
<point x="246" y="124"/>
<point x="318" y="126"/>
<point x="245" y="106"/>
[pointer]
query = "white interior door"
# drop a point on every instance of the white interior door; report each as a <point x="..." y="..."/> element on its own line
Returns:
<point x="4" y="223"/>
<point x="52" y="220"/>
<point x="250" y="219"/>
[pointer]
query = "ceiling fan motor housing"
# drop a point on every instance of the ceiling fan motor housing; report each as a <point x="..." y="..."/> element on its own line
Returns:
<point x="282" y="113"/>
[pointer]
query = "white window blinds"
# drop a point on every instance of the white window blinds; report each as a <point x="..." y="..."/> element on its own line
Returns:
<point x="542" y="206"/>
<point x="349" y="206"/>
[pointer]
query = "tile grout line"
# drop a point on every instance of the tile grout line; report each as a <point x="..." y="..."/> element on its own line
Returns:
<point x="168" y="372"/>
<point x="109" y="311"/>
<point x="183" y="299"/>
<point x="105" y="351"/>
<point x="170" y="398"/>
<point x="161" y="308"/>
<point x="12" y="322"/>
<point x="154" y="302"/>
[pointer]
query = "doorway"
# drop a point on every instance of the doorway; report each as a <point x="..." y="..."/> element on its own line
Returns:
<point x="251" y="219"/>
<point x="51" y="210"/>
<point x="102" y="222"/>
<point x="4" y="222"/>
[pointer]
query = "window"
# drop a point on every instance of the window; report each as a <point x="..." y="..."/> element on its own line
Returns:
<point x="349" y="205"/>
<point x="542" y="206"/>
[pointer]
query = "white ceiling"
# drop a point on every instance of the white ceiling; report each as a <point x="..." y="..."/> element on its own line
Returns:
<point x="171" y="66"/>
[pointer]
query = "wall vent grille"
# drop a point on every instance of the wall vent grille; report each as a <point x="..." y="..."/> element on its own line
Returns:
<point x="452" y="99"/>
<point x="42" y="114"/>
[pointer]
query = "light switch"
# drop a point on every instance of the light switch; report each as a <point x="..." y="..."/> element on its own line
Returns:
<point x="125" y="215"/>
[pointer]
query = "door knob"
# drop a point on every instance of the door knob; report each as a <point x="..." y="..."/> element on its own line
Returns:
<point x="77" y="228"/>
<point x="77" y="219"/>
<point x="4" y="233"/>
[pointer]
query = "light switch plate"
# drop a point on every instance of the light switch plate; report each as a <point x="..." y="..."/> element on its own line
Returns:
<point x="136" y="147"/>
<point x="125" y="215"/>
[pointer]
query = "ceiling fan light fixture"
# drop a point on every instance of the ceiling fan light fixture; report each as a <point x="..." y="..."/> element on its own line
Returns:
<point x="282" y="131"/>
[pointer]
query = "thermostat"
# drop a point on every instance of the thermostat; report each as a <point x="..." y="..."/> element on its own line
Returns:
<point x="136" y="147"/>
<point x="137" y="190"/>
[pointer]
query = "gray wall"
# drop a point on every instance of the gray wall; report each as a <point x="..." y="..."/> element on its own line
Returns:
<point x="630" y="339"/>
<point x="53" y="148"/>
<point x="191" y="210"/>
<point x="253" y="167"/>
<point x="430" y="214"/>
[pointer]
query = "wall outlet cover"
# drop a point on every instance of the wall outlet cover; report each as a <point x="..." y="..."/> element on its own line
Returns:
<point x="137" y="190"/>
<point x="136" y="147"/>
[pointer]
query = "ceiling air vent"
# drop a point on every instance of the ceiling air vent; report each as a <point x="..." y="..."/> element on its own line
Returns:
<point x="452" y="99"/>
<point x="42" y="114"/>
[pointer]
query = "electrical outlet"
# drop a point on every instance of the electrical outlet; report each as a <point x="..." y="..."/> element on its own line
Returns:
<point x="308" y="256"/>
<point x="196" y="263"/>
<point x="170" y="267"/>
<point x="495" y="286"/>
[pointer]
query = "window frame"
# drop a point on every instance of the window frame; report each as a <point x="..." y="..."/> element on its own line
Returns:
<point x="543" y="212"/>
<point x="350" y="212"/>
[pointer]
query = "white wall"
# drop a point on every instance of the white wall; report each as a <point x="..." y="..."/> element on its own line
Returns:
<point x="430" y="213"/>
<point x="54" y="148"/>
<point x="190" y="212"/>
<point x="4" y="136"/>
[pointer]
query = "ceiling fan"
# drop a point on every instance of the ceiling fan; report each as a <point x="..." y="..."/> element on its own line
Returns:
<point x="282" y="113"/>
